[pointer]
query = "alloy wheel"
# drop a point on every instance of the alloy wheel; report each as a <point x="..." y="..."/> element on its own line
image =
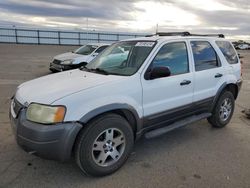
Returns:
<point x="108" y="147"/>
<point x="225" y="109"/>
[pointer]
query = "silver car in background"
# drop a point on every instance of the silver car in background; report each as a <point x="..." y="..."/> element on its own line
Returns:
<point x="77" y="58"/>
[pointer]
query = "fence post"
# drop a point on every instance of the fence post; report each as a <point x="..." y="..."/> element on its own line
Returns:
<point x="59" y="37"/>
<point x="98" y="37"/>
<point x="16" y="36"/>
<point x="79" y="38"/>
<point x="38" y="35"/>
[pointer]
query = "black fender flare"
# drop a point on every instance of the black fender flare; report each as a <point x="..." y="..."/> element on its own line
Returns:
<point x="220" y="90"/>
<point x="110" y="107"/>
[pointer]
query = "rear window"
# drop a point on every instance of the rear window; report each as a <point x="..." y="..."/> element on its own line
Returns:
<point x="228" y="51"/>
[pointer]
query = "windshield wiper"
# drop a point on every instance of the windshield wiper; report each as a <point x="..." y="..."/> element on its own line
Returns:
<point x="99" y="70"/>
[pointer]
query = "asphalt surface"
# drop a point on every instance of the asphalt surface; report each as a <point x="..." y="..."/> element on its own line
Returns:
<point x="193" y="156"/>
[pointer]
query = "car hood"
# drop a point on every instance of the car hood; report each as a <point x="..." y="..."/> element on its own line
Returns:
<point x="48" y="89"/>
<point x="68" y="55"/>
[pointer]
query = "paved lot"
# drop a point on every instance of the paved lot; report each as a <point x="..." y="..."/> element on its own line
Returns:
<point x="194" y="156"/>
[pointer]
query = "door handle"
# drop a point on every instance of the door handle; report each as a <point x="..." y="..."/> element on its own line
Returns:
<point x="185" y="82"/>
<point x="218" y="75"/>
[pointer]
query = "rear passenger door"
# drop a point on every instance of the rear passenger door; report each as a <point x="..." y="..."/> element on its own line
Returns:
<point x="208" y="71"/>
<point x="165" y="99"/>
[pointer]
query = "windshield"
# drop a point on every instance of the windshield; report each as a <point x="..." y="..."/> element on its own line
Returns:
<point x="85" y="50"/>
<point x="122" y="58"/>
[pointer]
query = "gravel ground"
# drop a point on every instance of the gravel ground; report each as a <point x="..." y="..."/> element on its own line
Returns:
<point x="194" y="156"/>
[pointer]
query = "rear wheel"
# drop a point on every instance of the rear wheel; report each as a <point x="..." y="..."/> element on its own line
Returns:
<point x="223" y="110"/>
<point x="104" y="146"/>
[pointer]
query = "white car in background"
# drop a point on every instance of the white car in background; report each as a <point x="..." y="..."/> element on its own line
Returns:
<point x="77" y="58"/>
<point x="243" y="46"/>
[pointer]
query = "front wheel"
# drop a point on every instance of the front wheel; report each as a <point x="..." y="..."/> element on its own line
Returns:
<point x="223" y="110"/>
<point x="104" y="146"/>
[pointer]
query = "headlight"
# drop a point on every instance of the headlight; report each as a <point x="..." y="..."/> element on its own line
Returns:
<point x="45" y="114"/>
<point x="67" y="62"/>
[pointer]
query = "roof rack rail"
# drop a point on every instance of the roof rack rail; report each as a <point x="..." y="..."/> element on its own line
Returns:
<point x="186" y="33"/>
<point x="209" y="35"/>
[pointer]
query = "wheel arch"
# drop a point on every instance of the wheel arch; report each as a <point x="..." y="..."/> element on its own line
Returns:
<point x="124" y="110"/>
<point x="232" y="87"/>
<point x="83" y="63"/>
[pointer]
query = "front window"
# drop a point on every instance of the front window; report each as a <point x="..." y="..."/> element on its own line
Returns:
<point x="85" y="50"/>
<point x="174" y="56"/>
<point x="122" y="58"/>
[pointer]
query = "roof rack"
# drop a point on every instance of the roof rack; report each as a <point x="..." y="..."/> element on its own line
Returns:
<point x="186" y="33"/>
<point x="209" y="35"/>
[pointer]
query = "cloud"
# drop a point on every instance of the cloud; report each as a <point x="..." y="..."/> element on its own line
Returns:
<point x="225" y="16"/>
<point x="104" y="9"/>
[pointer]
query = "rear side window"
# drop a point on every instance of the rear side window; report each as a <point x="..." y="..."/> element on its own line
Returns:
<point x="205" y="56"/>
<point x="228" y="51"/>
<point x="174" y="56"/>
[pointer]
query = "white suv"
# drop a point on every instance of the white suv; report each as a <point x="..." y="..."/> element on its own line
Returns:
<point x="157" y="84"/>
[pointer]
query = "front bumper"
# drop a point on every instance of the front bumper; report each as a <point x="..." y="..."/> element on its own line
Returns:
<point x="47" y="141"/>
<point x="239" y="84"/>
<point x="60" y="67"/>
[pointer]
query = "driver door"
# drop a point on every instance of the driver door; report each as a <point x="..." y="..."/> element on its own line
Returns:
<point x="168" y="98"/>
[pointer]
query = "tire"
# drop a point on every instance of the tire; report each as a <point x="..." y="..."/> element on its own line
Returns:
<point x="222" y="113"/>
<point x="92" y="156"/>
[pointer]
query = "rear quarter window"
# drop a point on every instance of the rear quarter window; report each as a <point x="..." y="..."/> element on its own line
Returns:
<point x="228" y="51"/>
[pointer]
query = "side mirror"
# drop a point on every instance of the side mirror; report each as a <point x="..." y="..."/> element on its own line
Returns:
<point x="159" y="72"/>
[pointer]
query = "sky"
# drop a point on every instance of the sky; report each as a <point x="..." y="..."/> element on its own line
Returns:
<point x="231" y="17"/>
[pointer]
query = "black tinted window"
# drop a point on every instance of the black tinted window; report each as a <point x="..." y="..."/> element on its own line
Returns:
<point x="174" y="56"/>
<point x="228" y="51"/>
<point x="205" y="56"/>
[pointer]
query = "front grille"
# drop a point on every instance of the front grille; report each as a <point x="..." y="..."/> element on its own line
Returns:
<point x="56" y="61"/>
<point x="17" y="106"/>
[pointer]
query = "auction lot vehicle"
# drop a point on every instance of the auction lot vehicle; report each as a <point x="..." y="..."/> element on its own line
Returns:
<point x="96" y="113"/>
<point x="77" y="58"/>
<point x="243" y="46"/>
